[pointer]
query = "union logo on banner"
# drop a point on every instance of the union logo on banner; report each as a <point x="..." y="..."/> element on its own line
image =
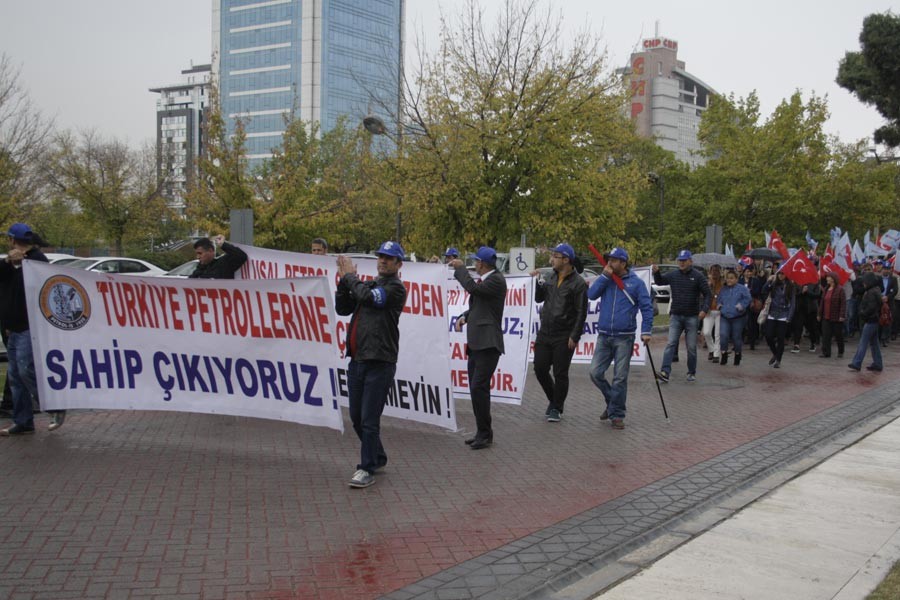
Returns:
<point x="65" y="303"/>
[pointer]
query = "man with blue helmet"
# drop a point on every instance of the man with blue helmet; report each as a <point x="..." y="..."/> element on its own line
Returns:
<point x="373" y="342"/>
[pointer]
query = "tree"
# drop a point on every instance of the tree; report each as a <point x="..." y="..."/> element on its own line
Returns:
<point x="873" y="73"/>
<point x="24" y="134"/>
<point x="115" y="187"/>
<point x="508" y="132"/>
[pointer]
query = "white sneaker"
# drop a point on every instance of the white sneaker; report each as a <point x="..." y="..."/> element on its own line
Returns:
<point x="361" y="479"/>
<point x="56" y="421"/>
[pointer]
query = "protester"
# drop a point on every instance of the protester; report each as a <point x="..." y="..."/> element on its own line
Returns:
<point x="711" y="320"/>
<point x="733" y="305"/>
<point x="754" y="281"/>
<point x="484" y="335"/>
<point x="807" y="307"/>
<point x="24" y="244"/>
<point x="224" y="267"/>
<point x="564" y="294"/>
<point x="888" y="294"/>
<point x="450" y="254"/>
<point x="856" y="297"/>
<point x="869" y="308"/>
<point x="373" y="342"/>
<point x="832" y="314"/>
<point x="616" y="328"/>
<point x="781" y="294"/>
<point x="319" y="247"/>
<point x="689" y="303"/>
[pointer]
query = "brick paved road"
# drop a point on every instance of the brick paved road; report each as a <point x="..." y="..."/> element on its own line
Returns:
<point x="165" y="505"/>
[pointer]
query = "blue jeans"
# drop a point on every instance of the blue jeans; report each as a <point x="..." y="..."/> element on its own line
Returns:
<point x="368" y="383"/>
<point x="677" y="325"/>
<point x="22" y="378"/>
<point x="620" y="348"/>
<point x="852" y="322"/>
<point x="731" y="330"/>
<point x="868" y="339"/>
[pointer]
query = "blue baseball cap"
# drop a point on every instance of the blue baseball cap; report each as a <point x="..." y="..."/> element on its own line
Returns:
<point x="451" y="251"/>
<point x="20" y="231"/>
<point x="618" y="253"/>
<point x="684" y="255"/>
<point x="566" y="250"/>
<point x="391" y="249"/>
<point x="485" y="254"/>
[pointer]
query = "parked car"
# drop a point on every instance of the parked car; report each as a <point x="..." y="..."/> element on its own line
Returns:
<point x="185" y="270"/>
<point x="57" y="258"/>
<point x="588" y="274"/>
<point x="117" y="264"/>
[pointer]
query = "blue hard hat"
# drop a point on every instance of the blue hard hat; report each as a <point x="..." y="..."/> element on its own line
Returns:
<point x="485" y="254"/>
<point x="390" y="248"/>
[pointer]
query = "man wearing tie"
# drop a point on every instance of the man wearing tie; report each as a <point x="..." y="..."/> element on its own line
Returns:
<point x="484" y="335"/>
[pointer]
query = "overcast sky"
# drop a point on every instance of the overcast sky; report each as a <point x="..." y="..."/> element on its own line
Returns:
<point x="90" y="63"/>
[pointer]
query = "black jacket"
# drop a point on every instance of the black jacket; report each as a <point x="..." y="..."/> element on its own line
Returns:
<point x="690" y="291"/>
<point x="376" y="306"/>
<point x="232" y="259"/>
<point x="13" y="307"/>
<point x="565" y="307"/>
<point x="485" y="315"/>
<point x="870" y="305"/>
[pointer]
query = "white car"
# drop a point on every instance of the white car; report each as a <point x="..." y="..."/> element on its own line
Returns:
<point x="185" y="270"/>
<point x="57" y="258"/>
<point x="117" y="264"/>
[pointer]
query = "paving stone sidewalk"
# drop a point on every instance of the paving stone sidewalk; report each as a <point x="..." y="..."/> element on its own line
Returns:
<point x="166" y="505"/>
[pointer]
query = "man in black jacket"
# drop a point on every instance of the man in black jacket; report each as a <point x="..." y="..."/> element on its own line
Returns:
<point x="690" y="297"/>
<point x="224" y="267"/>
<point x="484" y="335"/>
<point x="564" y="294"/>
<point x="869" y="308"/>
<point x="14" y="320"/>
<point x="373" y="342"/>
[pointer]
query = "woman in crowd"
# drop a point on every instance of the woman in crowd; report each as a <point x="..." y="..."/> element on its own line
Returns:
<point x="733" y="302"/>
<point x="832" y="314"/>
<point x="782" y="302"/>
<point x="711" y="321"/>
<point x="754" y="282"/>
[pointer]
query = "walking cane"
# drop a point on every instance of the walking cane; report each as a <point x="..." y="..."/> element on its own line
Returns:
<point x="656" y="379"/>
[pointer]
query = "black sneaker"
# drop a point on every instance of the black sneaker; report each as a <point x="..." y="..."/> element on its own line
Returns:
<point x="854" y="367"/>
<point x="663" y="376"/>
<point x="554" y="416"/>
<point x="16" y="430"/>
<point x="604" y="416"/>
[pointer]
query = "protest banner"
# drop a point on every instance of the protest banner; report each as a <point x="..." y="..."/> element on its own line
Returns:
<point x="253" y="349"/>
<point x="421" y="390"/>
<point x="584" y="351"/>
<point x="508" y="382"/>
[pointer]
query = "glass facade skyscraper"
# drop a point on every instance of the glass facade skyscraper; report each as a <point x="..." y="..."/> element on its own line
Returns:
<point x="315" y="59"/>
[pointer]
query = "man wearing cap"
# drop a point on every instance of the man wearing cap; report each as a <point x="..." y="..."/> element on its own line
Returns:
<point x="690" y="297"/>
<point x="622" y="294"/>
<point x="564" y="294"/>
<point x="14" y="320"/>
<point x="373" y="342"/>
<point x="210" y="267"/>
<point x="484" y="335"/>
<point x="450" y="254"/>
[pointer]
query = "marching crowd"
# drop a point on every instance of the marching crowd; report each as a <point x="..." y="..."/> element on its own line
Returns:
<point x="725" y="307"/>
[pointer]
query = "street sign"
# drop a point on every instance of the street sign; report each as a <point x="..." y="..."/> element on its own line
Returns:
<point x="521" y="261"/>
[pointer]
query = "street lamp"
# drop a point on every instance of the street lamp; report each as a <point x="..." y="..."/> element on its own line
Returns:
<point x="660" y="182"/>
<point x="375" y="125"/>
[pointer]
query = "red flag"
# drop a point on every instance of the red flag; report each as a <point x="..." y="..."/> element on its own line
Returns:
<point x="827" y="258"/>
<point x="800" y="269"/>
<point x="838" y="271"/>
<point x="778" y="245"/>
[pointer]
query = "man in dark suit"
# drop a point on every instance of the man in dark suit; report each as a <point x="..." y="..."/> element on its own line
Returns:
<point x="484" y="335"/>
<point x="888" y="294"/>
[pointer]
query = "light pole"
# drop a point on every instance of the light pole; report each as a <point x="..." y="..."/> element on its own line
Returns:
<point x="375" y="126"/>
<point x="660" y="182"/>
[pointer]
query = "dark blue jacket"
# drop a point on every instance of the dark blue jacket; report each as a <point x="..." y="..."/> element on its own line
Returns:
<point x="690" y="291"/>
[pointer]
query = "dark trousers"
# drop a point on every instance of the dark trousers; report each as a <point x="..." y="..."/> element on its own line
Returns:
<point x="776" y="331"/>
<point x="805" y="319"/>
<point x="558" y="356"/>
<point x="482" y="364"/>
<point x="368" y="383"/>
<point x="837" y="328"/>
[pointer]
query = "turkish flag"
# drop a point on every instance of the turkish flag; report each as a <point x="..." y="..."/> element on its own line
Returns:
<point x="827" y="259"/>
<point x="843" y="276"/>
<point x="800" y="269"/>
<point x="777" y="244"/>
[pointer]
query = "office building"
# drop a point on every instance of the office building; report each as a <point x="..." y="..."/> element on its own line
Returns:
<point x="180" y="114"/>
<point x="667" y="102"/>
<point x="317" y="60"/>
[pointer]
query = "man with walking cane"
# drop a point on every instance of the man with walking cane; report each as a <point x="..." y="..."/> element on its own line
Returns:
<point x="622" y="294"/>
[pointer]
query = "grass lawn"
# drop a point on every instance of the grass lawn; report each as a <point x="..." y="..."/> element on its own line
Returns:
<point x="889" y="589"/>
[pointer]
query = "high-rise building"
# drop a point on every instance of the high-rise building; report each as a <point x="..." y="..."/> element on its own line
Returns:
<point x="180" y="114"/>
<point x="314" y="59"/>
<point x="667" y="101"/>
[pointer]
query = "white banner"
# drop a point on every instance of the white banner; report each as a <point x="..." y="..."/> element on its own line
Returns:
<point x="584" y="351"/>
<point x="508" y="382"/>
<point x="421" y="390"/>
<point x="265" y="350"/>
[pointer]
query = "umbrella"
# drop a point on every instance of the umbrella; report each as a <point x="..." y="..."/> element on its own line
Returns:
<point x="708" y="259"/>
<point x="765" y="254"/>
